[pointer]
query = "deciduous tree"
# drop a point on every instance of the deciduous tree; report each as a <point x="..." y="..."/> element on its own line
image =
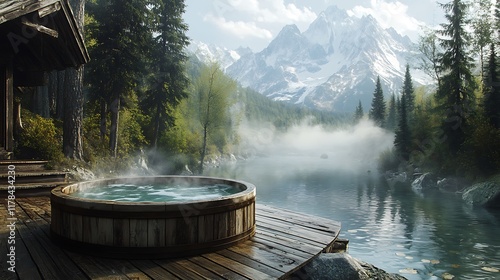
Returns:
<point x="212" y="96"/>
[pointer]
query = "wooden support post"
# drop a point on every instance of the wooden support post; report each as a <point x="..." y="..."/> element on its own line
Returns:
<point x="6" y="105"/>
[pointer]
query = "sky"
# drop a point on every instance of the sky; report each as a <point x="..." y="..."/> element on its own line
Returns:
<point x="254" y="23"/>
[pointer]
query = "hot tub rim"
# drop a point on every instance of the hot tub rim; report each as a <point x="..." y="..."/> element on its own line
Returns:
<point x="62" y="198"/>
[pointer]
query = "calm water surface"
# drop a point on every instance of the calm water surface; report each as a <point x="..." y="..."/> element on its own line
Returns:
<point x="156" y="193"/>
<point x="428" y="236"/>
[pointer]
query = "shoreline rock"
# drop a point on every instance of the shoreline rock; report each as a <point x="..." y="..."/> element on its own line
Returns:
<point x="343" y="266"/>
<point x="484" y="194"/>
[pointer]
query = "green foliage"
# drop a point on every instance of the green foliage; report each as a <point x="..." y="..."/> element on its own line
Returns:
<point x="377" y="110"/>
<point x="409" y="92"/>
<point x="131" y="141"/>
<point x="402" y="138"/>
<point x="93" y="145"/>
<point x="39" y="139"/>
<point x="131" y="138"/>
<point x="480" y="154"/>
<point x="210" y="103"/>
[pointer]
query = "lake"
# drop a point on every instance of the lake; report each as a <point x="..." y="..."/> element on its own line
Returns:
<point x="419" y="236"/>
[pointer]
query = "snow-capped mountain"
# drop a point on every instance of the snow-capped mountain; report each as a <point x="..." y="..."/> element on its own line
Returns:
<point x="210" y="53"/>
<point x="331" y="66"/>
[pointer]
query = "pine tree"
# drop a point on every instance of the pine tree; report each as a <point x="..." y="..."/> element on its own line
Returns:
<point x="409" y="92"/>
<point x="457" y="83"/>
<point x="168" y="83"/>
<point x="392" y="114"/>
<point x="491" y="89"/>
<point x="358" y="114"/>
<point x="377" y="110"/>
<point x="402" y="138"/>
<point x="122" y="36"/>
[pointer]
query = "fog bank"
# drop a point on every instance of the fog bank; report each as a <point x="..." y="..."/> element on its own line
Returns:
<point x="354" y="148"/>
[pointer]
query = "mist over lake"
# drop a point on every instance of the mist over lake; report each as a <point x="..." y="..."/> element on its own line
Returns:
<point x="420" y="236"/>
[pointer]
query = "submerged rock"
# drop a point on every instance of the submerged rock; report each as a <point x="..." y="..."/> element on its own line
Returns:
<point x="486" y="194"/>
<point x="341" y="266"/>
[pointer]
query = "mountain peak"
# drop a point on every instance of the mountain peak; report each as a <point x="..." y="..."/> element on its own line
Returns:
<point x="290" y="29"/>
<point x="290" y="38"/>
<point x="335" y="13"/>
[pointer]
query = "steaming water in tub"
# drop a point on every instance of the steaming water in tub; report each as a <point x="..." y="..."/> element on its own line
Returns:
<point x="156" y="192"/>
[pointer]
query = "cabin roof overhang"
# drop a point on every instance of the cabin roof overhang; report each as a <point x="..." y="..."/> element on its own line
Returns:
<point x="40" y="35"/>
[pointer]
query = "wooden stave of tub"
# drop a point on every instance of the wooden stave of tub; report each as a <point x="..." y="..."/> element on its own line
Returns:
<point x="156" y="229"/>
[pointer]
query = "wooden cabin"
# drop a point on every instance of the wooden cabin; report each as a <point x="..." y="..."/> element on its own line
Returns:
<point x="36" y="36"/>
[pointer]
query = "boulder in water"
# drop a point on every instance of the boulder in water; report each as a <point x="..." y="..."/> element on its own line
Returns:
<point x="486" y="194"/>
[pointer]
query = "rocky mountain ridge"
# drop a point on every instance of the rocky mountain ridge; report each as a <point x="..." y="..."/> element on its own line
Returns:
<point x="330" y="66"/>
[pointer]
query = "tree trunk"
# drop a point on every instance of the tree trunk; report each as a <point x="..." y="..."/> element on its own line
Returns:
<point x="73" y="99"/>
<point x="203" y="149"/>
<point x="156" y="132"/>
<point x="73" y="114"/>
<point x="113" y="131"/>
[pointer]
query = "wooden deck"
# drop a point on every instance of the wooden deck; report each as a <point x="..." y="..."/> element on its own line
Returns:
<point x="284" y="242"/>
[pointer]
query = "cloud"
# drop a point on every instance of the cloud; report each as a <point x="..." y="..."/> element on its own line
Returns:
<point x="273" y="11"/>
<point x="255" y="18"/>
<point x="390" y="14"/>
<point x="240" y="29"/>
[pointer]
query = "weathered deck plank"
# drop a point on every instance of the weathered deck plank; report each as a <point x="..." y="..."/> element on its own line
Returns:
<point x="283" y="243"/>
<point x="243" y="265"/>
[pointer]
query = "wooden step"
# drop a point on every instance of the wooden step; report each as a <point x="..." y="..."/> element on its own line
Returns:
<point x="29" y="186"/>
<point x="22" y="165"/>
<point x="33" y="177"/>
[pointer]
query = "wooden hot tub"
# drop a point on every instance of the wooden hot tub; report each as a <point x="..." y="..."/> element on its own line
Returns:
<point x="151" y="229"/>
